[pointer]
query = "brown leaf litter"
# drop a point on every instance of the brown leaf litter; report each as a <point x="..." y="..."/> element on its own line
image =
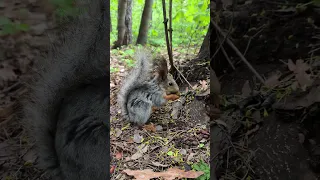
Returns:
<point x="170" y="174"/>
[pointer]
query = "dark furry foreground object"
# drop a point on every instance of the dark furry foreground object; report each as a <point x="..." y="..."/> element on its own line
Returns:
<point x="67" y="111"/>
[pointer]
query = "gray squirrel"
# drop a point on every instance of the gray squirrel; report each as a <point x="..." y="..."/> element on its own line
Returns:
<point x="140" y="94"/>
<point x="67" y="109"/>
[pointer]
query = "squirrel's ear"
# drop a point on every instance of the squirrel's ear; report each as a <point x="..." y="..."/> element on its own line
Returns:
<point x="163" y="69"/>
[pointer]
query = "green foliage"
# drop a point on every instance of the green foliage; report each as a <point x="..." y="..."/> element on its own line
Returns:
<point x="113" y="70"/>
<point x="8" y="27"/>
<point x="125" y="56"/>
<point x="202" y="166"/>
<point x="190" y="20"/>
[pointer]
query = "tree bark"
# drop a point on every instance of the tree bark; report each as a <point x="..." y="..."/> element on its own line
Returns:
<point x="144" y="25"/>
<point x="122" y="6"/>
<point x="128" y="23"/>
<point x="204" y="52"/>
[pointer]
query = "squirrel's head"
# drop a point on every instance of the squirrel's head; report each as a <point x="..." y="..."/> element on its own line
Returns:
<point x="165" y="79"/>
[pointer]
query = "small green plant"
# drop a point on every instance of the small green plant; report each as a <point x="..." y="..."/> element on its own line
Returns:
<point x="113" y="70"/>
<point x="128" y="52"/>
<point x="202" y="166"/>
<point x="8" y="27"/>
<point x="129" y="62"/>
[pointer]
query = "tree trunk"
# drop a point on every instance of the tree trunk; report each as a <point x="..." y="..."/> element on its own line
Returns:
<point x="122" y="6"/>
<point x="144" y="25"/>
<point x="128" y="22"/>
<point x="204" y="50"/>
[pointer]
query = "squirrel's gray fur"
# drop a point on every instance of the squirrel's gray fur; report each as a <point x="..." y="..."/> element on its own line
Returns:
<point x="139" y="94"/>
<point x="67" y="109"/>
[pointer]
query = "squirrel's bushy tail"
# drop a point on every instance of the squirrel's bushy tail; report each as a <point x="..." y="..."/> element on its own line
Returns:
<point x="136" y="78"/>
<point x="81" y="57"/>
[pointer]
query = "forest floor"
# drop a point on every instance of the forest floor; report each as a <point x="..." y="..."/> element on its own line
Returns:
<point x="177" y="135"/>
<point x="277" y="142"/>
<point x="269" y="131"/>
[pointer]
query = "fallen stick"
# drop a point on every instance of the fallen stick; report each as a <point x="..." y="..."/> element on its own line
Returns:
<point x="226" y="55"/>
<point x="238" y="52"/>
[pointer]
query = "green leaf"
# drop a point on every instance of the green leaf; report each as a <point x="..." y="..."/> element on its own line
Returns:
<point x="154" y="32"/>
<point x="130" y="62"/>
<point x="178" y="16"/>
<point x="196" y="167"/>
<point x="248" y="113"/>
<point x="169" y="153"/>
<point x="201" y="145"/>
<point x="113" y="70"/>
<point x="23" y="27"/>
<point x="4" y="21"/>
<point x="265" y="113"/>
<point x="200" y="4"/>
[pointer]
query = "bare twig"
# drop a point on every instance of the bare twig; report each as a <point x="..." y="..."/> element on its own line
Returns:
<point x="224" y="39"/>
<point x="15" y="85"/>
<point x="165" y="21"/>
<point x="170" y="23"/>
<point x="183" y="77"/>
<point x="226" y="55"/>
<point x="248" y="45"/>
<point x="238" y="52"/>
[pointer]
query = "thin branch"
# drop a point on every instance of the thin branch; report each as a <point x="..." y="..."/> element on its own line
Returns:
<point x="238" y="52"/>
<point x="226" y="55"/>
<point x="170" y="23"/>
<point x="165" y="21"/>
<point x="249" y="42"/>
<point x="185" y="79"/>
<point x="224" y="39"/>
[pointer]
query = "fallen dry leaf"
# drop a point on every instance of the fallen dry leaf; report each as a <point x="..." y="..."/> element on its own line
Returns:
<point x="113" y="167"/>
<point x="118" y="132"/>
<point x="130" y="140"/>
<point x="176" y="107"/>
<point x="301" y="66"/>
<point x="190" y="157"/>
<point x="291" y="65"/>
<point x="246" y="90"/>
<point x="159" y="164"/>
<point x="304" y="79"/>
<point x="170" y="174"/>
<point x="141" y="150"/>
<point x="119" y="155"/>
<point x="137" y="138"/>
<point x="204" y="85"/>
<point x="272" y="81"/>
<point x="301" y="76"/>
<point x="136" y="155"/>
<point x="150" y="127"/>
<point x="215" y="86"/>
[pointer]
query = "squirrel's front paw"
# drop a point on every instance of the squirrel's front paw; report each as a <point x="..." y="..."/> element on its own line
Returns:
<point x="171" y="97"/>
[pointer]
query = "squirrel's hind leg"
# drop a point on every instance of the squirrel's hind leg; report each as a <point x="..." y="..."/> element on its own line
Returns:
<point x="140" y="112"/>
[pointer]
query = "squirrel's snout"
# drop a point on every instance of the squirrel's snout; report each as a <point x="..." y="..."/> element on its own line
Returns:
<point x="173" y="92"/>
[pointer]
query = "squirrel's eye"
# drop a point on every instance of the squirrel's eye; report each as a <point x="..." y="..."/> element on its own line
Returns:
<point x="170" y="83"/>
